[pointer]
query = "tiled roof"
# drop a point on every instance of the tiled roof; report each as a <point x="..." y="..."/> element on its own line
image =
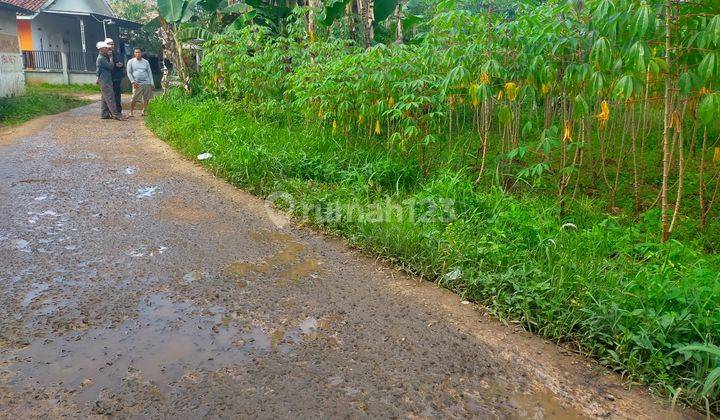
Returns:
<point x="32" y="5"/>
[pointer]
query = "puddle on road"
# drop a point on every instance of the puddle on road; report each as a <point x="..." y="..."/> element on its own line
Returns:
<point x="292" y="264"/>
<point x="167" y="340"/>
<point x="37" y="290"/>
<point x="543" y="405"/>
<point x="21" y="245"/>
<point x="306" y="330"/>
<point x="148" y="251"/>
<point x="300" y="270"/>
<point x="145" y="192"/>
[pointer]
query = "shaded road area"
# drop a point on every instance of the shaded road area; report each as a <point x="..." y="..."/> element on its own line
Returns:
<point x="136" y="284"/>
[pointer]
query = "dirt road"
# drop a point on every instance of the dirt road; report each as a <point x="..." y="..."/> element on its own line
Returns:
<point x="136" y="284"/>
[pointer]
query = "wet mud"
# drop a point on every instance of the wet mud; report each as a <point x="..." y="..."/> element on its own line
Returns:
<point x="134" y="284"/>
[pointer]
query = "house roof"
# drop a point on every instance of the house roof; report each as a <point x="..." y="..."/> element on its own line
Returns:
<point x="101" y="7"/>
<point x="26" y="6"/>
<point x="98" y="9"/>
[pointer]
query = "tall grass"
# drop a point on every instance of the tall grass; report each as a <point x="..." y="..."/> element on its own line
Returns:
<point x="578" y="276"/>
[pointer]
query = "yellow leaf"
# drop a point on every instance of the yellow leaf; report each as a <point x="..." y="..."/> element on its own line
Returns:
<point x="484" y="78"/>
<point x="604" y="115"/>
<point x="716" y="156"/>
<point x="545" y="88"/>
<point x="391" y="102"/>
<point x="567" y="135"/>
<point x="511" y="90"/>
<point x="378" y="129"/>
<point x="675" y="122"/>
<point x="361" y="119"/>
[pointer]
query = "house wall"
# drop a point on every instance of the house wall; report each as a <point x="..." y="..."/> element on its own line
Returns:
<point x="25" y="34"/>
<point x="12" y="78"/>
<point x="54" y="32"/>
<point x="58" y="78"/>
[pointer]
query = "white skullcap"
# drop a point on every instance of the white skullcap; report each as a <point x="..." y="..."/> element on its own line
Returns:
<point x="101" y="44"/>
<point x="109" y="40"/>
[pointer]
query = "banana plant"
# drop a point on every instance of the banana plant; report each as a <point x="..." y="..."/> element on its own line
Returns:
<point x="177" y="25"/>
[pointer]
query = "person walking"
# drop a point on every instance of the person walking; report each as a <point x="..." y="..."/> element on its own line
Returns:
<point x="140" y="75"/>
<point x="105" y="67"/>
<point x="117" y="73"/>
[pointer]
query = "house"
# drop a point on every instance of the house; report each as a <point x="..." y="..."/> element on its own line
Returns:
<point x="12" y="78"/>
<point x="57" y="38"/>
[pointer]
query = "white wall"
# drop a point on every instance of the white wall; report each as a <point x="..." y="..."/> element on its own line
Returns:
<point x="52" y="77"/>
<point x="57" y="77"/>
<point x="12" y="77"/>
<point x="55" y="32"/>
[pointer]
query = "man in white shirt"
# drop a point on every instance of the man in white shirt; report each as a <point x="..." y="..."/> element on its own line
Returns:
<point x="140" y="75"/>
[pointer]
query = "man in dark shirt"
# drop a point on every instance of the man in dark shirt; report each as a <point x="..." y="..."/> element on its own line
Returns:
<point x="117" y="73"/>
<point x="105" y="66"/>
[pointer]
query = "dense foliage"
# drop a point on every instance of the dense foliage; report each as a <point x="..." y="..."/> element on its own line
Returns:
<point x="572" y="106"/>
<point x="579" y="140"/>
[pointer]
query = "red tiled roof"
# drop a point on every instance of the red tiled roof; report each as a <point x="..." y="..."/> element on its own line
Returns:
<point x="32" y="5"/>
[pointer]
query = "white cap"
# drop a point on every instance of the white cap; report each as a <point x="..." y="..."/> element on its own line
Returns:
<point x="101" y="44"/>
<point x="109" y="40"/>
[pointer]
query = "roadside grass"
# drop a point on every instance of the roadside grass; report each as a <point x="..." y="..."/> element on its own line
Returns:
<point x="599" y="283"/>
<point x="40" y="100"/>
<point x="74" y="88"/>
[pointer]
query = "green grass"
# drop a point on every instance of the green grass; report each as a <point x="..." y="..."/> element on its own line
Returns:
<point x="41" y="100"/>
<point x="74" y="88"/>
<point x="599" y="283"/>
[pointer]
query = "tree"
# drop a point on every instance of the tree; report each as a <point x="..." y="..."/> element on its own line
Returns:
<point x="140" y="11"/>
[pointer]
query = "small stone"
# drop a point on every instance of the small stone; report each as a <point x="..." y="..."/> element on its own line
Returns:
<point x="610" y="397"/>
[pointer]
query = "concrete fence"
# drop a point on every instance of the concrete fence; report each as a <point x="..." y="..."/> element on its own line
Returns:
<point x="59" y="67"/>
<point x="12" y="79"/>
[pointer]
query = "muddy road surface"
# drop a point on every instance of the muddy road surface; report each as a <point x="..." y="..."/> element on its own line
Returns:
<point x="135" y="284"/>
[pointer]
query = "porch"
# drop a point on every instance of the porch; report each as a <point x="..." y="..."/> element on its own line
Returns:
<point x="59" y="67"/>
<point x="59" y="47"/>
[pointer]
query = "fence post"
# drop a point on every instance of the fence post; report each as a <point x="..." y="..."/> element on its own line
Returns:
<point x="64" y="61"/>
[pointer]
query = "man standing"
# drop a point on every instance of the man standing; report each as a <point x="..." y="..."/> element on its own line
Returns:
<point x="117" y="73"/>
<point x="140" y="75"/>
<point x="105" y="67"/>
